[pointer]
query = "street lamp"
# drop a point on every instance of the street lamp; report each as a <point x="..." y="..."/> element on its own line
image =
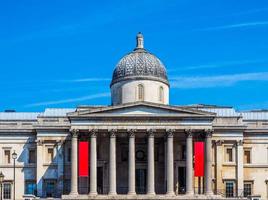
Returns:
<point x="1" y="181"/>
<point x="14" y="157"/>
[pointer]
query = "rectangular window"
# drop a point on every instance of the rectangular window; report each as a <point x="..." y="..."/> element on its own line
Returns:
<point x="229" y="154"/>
<point x="30" y="187"/>
<point x="32" y="156"/>
<point x="50" y="154"/>
<point x="7" y="191"/>
<point x="50" y="188"/>
<point x="229" y="189"/>
<point x="247" y="189"/>
<point x="247" y="156"/>
<point x="7" y="156"/>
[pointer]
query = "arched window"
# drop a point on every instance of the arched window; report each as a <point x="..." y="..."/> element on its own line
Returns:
<point x="140" y="92"/>
<point x="161" y="94"/>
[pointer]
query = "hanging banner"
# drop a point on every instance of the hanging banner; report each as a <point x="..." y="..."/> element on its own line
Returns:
<point x="83" y="158"/>
<point x="199" y="159"/>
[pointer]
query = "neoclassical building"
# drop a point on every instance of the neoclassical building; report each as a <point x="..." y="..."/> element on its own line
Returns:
<point x="139" y="147"/>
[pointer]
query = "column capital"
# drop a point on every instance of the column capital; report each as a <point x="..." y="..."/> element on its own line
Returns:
<point x="219" y="142"/>
<point x="39" y="142"/>
<point x="170" y="132"/>
<point x="188" y="132"/>
<point x="151" y="132"/>
<point x="239" y="143"/>
<point x="208" y="132"/>
<point x="131" y="132"/>
<point x="112" y="132"/>
<point x="74" y="132"/>
<point x="93" y="132"/>
<point x="60" y="142"/>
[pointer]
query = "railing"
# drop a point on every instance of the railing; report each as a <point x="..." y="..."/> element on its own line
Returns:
<point x="231" y="194"/>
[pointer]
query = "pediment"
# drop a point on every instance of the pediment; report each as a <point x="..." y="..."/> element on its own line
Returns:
<point x="141" y="109"/>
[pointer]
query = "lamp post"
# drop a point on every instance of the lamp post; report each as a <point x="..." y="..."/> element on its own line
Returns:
<point x="1" y="181"/>
<point x="14" y="157"/>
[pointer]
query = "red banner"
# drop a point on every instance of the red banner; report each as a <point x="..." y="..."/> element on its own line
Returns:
<point x="83" y="158"/>
<point x="199" y="159"/>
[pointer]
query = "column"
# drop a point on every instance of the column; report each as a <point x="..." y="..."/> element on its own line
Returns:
<point x="74" y="185"/>
<point x="218" y="164"/>
<point x="39" y="167"/>
<point x="131" y="163"/>
<point x="150" y="163"/>
<point x="208" y="163"/>
<point x="240" y="167"/>
<point x="170" y="163"/>
<point x="93" y="163"/>
<point x="189" y="162"/>
<point x="112" y="163"/>
<point x="60" y="164"/>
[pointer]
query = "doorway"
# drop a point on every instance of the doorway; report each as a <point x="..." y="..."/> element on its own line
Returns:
<point x="182" y="180"/>
<point x="141" y="175"/>
<point x="100" y="180"/>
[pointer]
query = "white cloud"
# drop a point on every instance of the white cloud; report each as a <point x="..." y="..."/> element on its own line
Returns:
<point x="87" y="80"/>
<point x="215" y="81"/>
<point x="62" y="101"/>
<point x="232" y="26"/>
<point x="218" y="65"/>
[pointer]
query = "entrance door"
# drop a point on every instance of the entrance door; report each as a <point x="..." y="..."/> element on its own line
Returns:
<point x="182" y="179"/>
<point x="100" y="180"/>
<point x="141" y="181"/>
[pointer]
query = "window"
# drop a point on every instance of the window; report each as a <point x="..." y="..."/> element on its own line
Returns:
<point x="30" y="187"/>
<point x="32" y="157"/>
<point x="50" y="188"/>
<point x="7" y="191"/>
<point x="247" y="189"/>
<point x="229" y="155"/>
<point x="140" y="92"/>
<point x="7" y="156"/>
<point x="229" y="189"/>
<point x="247" y="156"/>
<point x="50" y="154"/>
<point x="161" y="94"/>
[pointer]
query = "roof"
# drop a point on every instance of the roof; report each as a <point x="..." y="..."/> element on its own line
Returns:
<point x="19" y="115"/>
<point x="57" y="112"/>
<point x="220" y="111"/>
<point x="255" y="115"/>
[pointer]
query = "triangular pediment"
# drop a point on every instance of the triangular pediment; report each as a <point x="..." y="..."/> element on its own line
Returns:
<point x="141" y="109"/>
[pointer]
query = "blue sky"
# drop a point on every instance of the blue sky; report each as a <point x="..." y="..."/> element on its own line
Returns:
<point x="62" y="53"/>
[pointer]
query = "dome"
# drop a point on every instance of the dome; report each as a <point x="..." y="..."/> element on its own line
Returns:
<point x="140" y="65"/>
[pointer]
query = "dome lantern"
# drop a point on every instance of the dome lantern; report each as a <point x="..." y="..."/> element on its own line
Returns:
<point x="140" y="41"/>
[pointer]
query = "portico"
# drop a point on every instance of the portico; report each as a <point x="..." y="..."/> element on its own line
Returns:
<point x="142" y="131"/>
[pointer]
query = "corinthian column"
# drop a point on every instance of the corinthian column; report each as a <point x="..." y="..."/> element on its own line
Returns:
<point x="93" y="163"/>
<point x="131" y="163"/>
<point x="189" y="162"/>
<point x="208" y="163"/>
<point x="112" y="163"/>
<point x="150" y="163"/>
<point x="74" y="185"/>
<point x="170" y="163"/>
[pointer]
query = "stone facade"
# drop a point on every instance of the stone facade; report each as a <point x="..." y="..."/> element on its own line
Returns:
<point x="139" y="147"/>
